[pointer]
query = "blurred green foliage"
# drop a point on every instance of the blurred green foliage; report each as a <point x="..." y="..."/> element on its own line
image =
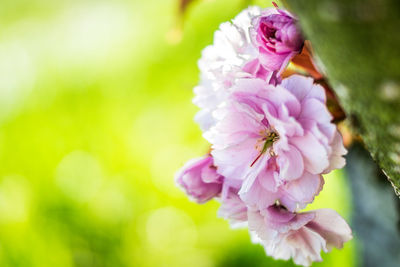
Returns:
<point x="95" y="118"/>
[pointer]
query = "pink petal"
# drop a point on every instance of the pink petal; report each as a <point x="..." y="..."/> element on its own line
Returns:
<point x="314" y="153"/>
<point x="256" y="195"/>
<point x="284" y="221"/>
<point x="307" y="244"/>
<point x="304" y="189"/>
<point x="209" y="174"/>
<point x="234" y="161"/>
<point x="281" y="97"/>
<point x="315" y="110"/>
<point x="290" y="163"/>
<point x="257" y="225"/>
<point x="233" y="209"/>
<point x="336" y="159"/>
<point x="303" y="88"/>
<point x="332" y="227"/>
<point x="267" y="180"/>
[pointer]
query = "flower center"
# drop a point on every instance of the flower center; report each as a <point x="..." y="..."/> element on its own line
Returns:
<point x="268" y="140"/>
<point x="268" y="31"/>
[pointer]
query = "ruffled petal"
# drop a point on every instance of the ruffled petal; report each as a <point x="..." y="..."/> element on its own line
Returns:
<point x="314" y="153"/>
<point x="336" y="159"/>
<point x="290" y="163"/>
<point x="304" y="189"/>
<point x="332" y="227"/>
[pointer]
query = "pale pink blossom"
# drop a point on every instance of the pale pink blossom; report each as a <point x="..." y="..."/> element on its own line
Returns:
<point x="199" y="179"/>
<point x="300" y="236"/>
<point x="277" y="140"/>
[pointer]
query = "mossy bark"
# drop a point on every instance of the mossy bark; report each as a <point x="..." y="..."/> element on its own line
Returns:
<point x="357" y="45"/>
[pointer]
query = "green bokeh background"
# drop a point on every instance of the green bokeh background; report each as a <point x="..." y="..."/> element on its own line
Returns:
<point x="95" y="118"/>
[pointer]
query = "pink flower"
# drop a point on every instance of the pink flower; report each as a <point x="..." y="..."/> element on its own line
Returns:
<point x="277" y="140"/>
<point x="199" y="179"/>
<point x="300" y="236"/>
<point x="271" y="139"/>
<point x="277" y="37"/>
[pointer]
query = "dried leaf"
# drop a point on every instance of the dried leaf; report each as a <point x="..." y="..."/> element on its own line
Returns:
<point x="304" y="60"/>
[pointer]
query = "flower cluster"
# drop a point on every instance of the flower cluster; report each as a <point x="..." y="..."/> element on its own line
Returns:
<point x="271" y="138"/>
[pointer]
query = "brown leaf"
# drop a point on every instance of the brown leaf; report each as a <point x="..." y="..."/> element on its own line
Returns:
<point x="304" y="60"/>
